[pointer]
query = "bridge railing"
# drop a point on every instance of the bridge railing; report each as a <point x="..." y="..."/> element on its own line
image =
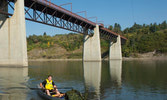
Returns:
<point x="46" y="2"/>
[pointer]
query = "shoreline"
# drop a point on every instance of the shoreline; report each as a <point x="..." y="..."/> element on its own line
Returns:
<point x="154" y="58"/>
<point x="124" y="59"/>
<point x="54" y="59"/>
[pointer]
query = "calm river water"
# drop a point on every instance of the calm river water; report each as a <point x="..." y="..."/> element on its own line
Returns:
<point x="114" y="80"/>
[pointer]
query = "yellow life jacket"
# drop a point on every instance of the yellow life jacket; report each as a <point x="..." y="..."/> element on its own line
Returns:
<point x="49" y="85"/>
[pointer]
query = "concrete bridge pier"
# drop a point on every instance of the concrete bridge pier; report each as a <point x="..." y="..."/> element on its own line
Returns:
<point x="91" y="48"/>
<point x="13" y="46"/>
<point x="115" y="51"/>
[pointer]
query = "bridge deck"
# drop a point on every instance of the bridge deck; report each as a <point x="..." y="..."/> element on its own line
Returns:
<point x="59" y="12"/>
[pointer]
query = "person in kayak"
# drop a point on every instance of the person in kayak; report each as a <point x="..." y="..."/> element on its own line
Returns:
<point x="49" y="86"/>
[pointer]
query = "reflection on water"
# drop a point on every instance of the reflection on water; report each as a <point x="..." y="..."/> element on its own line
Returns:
<point x="13" y="83"/>
<point x="145" y="74"/>
<point x="92" y="76"/>
<point x="58" y="69"/>
<point x="107" y="80"/>
<point x="116" y="71"/>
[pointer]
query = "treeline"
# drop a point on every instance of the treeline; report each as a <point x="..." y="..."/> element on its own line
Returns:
<point x="68" y="41"/>
<point x="143" y="38"/>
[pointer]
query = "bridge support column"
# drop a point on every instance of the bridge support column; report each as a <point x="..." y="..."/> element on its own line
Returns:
<point x="115" y="51"/>
<point x="91" y="49"/>
<point x="13" y="46"/>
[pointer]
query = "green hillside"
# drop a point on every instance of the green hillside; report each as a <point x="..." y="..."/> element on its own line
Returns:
<point x="146" y="38"/>
<point x="141" y="39"/>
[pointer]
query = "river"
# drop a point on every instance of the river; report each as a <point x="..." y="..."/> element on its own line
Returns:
<point x="107" y="80"/>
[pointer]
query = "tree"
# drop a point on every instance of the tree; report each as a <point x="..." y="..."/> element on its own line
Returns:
<point x="44" y="34"/>
<point x="110" y="27"/>
<point x="117" y="28"/>
<point x="145" y="31"/>
<point x="163" y="25"/>
<point x="126" y="31"/>
<point x="135" y="28"/>
<point x="154" y="28"/>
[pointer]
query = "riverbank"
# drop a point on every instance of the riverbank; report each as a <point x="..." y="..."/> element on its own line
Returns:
<point x="147" y="56"/>
<point x="134" y="56"/>
<point x="54" y="59"/>
<point x="153" y="58"/>
<point x="124" y="59"/>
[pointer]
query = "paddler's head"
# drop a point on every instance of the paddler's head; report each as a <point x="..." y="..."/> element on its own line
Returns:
<point x="50" y="77"/>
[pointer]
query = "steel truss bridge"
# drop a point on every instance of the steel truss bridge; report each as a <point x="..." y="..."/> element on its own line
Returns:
<point x="45" y="12"/>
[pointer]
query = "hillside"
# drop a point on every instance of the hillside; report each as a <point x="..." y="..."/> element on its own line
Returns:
<point x="142" y="39"/>
<point x="67" y="46"/>
<point x="145" y="38"/>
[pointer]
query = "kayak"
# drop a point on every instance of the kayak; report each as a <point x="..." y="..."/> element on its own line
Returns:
<point x="47" y="97"/>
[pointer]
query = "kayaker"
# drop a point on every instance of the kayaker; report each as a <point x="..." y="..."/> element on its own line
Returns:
<point x="49" y="86"/>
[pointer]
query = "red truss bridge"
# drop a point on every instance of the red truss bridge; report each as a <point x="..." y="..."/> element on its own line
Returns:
<point x="46" y="12"/>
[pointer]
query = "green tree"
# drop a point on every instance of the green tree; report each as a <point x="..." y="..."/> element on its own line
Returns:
<point x="163" y="25"/>
<point x="117" y="28"/>
<point x="110" y="27"/>
<point x="44" y="34"/>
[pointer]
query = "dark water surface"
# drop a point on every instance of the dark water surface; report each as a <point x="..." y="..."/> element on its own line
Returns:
<point x="114" y="80"/>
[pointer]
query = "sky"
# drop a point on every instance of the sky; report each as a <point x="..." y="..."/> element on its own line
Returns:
<point x="124" y="12"/>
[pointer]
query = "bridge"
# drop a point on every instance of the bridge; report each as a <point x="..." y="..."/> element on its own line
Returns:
<point x="12" y="30"/>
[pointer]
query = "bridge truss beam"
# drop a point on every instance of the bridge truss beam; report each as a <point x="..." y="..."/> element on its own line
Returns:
<point x="43" y="17"/>
<point x="37" y="11"/>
